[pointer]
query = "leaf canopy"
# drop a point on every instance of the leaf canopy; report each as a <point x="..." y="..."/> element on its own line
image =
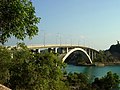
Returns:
<point x="17" y="18"/>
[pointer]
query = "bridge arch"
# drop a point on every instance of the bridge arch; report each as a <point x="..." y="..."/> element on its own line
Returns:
<point x="76" y="49"/>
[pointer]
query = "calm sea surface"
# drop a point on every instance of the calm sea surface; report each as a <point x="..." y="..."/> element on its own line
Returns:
<point x="93" y="71"/>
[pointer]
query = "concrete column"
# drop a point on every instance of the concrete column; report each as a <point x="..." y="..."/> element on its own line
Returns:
<point x="95" y="55"/>
<point x="38" y="50"/>
<point x="55" y="50"/>
<point x="67" y="50"/>
<point x="63" y="50"/>
<point x="92" y="55"/>
<point x="89" y="53"/>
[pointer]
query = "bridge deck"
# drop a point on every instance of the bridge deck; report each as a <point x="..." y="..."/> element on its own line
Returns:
<point x="59" y="46"/>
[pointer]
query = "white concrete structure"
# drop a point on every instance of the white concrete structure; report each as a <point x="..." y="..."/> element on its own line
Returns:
<point x="77" y="49"/>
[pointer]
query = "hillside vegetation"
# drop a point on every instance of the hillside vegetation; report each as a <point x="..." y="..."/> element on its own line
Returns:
<point x="110" y="56"/>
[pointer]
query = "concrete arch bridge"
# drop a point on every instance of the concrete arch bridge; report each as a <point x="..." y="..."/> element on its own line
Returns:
<point x="66" y="50"/>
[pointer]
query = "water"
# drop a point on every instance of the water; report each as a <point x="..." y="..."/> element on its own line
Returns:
<point x="93" y="71"/>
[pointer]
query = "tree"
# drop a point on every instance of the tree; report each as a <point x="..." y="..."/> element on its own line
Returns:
<point x="17" y="18"/>
<point x="5" y="60"/>
<point x="77" y="81"/>
<point x="109" y="82"/>
<point x="101" y="57"/>
<point x="49" y="68"/>
<point x="38" y="71"/>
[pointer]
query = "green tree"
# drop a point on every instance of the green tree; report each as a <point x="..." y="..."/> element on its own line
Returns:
<point x="30" y="71"/>
<point x="17" y="18"/>
<point x="50" y="70"/>
<point x="5" y="60"/>
<point x="20" y="75"/>
<point x="77" y="81"/>
<point x="101" y="57"/>
<point x="109" y="82"/>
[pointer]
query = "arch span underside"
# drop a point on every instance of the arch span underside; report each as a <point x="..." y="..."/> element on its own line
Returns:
<point x="76" y="49"/>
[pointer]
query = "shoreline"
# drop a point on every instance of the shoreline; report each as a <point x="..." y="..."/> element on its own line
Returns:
<point x="112" y="63"/>
<point x="100" y="64"/>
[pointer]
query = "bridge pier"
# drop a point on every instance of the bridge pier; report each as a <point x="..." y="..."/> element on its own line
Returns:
<point x="92" y="55"/>
<point x="56" y="50"/>
<point x="95" y="55"/>
<point x="67" y="50"/>
<point x="39" y="50"/>
<point x="89" y="53"/>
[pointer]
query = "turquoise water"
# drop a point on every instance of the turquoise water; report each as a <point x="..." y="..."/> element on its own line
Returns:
<point x="93" y="71"/>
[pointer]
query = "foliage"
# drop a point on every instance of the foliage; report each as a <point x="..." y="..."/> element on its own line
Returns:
<point x="20" y="75"/>
<point x="77" y="81"/>
<point x="109" y="56"/>
<point x="28" y="71"/>
<point x="104" y="57"/>
<point x="5" y="60"/>
<point x="23" y="70"/>
<point x="101" y="57"/>
<point x="17" y="18"/>
<point x="109" y="82"/>
<point x="50" y="71"/>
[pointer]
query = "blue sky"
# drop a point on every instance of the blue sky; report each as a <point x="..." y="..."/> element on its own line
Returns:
<point x="94" y="23"/>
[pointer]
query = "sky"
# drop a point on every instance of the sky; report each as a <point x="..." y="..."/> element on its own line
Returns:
<point x="93" y="23"/>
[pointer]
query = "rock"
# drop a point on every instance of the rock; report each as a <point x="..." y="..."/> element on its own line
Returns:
<point x="99" y="64"/>
<point x="2" y="87"/>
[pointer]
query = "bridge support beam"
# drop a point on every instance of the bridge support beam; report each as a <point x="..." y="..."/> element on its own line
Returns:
<point x="89" y="53"/>
<point x="55" y="50"/>
<point x="39" y="50"/>
<point x="92" y="55"/>
<point x="67" y="50"/>
<point x="95" y="55"/>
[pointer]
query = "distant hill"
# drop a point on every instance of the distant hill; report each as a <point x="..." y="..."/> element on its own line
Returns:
<point x="115" y="50"/>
